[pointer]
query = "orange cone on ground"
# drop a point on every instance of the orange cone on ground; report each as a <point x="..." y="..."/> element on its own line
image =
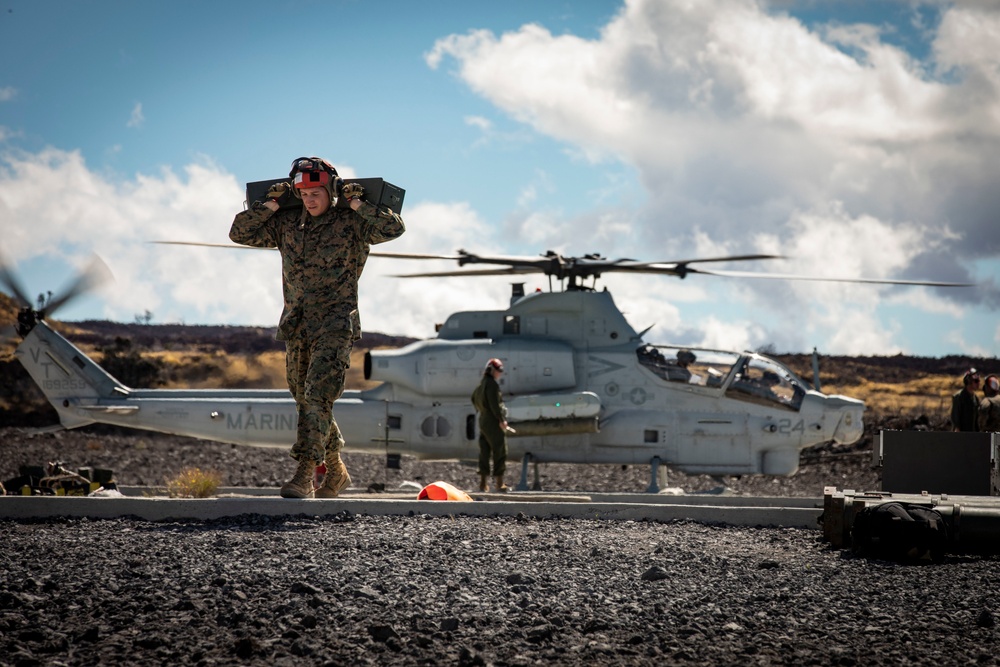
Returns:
<point x="442" y="491"/>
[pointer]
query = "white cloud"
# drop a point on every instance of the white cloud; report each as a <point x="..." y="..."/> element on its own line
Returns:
<point x="968" y="37"/>
<point x="7" y="93"/>
<point x="924" y="300"/>
<point x="736" y="335"/>
<point x="753" y="132"/>
<point x="958" y="340"/>
<point x="58" y="208"/>
<point x="483" y="124"/>
<point x="53" y="206"/>
<point x="748" y="131"/>
<point x="136" y="118"/>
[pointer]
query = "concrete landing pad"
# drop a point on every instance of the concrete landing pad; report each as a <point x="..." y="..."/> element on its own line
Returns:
<point x="730" y="510"/>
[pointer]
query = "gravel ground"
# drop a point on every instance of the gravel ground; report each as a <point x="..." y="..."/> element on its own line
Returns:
<point x="149" y="459"/>
<point x="468" y="591"/>
<point x="417" y="590"/>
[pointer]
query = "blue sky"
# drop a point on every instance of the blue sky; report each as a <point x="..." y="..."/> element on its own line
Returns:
<point x="857" y="139"/>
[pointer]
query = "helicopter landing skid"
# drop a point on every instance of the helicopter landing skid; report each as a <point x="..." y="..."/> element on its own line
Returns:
<point x="522" y="485"/>
<point x="657" y="475"/>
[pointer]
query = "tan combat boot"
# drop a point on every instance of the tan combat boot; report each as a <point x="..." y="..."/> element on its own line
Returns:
<point x="301" y="484"/>
<point x="501" y="487"/>
<point x="337" y="478"/>
<point x="484" y="483"/>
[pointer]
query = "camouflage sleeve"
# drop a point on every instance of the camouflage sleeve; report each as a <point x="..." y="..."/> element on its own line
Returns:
<point x="255" y="227"/>
<point x="988" y="409"/>
<point x="380" y="224"/>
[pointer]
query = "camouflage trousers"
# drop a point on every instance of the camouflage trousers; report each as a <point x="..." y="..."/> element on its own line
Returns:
<point x="316" y="366"/>
<point x="492" y="447"/>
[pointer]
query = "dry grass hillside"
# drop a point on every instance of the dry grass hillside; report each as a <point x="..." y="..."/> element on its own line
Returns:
<point x="897" y="387"/>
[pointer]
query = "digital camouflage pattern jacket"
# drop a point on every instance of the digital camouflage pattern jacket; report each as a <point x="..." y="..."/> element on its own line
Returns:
<point x="322" y="259"/>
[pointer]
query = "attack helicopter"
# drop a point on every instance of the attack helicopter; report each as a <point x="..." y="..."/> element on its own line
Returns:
<point x="581" y="384"/>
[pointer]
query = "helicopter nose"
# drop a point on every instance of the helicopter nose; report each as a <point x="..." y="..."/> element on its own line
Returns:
<point x="850" y="427"/>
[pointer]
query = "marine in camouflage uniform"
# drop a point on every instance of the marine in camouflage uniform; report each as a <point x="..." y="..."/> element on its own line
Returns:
<point x="488" y="400"/>
<point x="323" y="252"/>
<point x="989" y="405"/>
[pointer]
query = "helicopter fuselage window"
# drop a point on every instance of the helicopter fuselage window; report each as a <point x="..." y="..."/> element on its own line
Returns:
<point x="512" y="324"/>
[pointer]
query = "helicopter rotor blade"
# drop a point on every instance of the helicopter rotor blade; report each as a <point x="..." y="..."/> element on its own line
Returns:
<point x="510" y="271"/>
<point x="10" y="281"/>
<point x="786" y="276"/>
<point x="581" y="268"/>
<point x="730" y="258"/>
<point x="408" y="255"/>
<point x="210" y="245"/>
<point x="93" y="276"/>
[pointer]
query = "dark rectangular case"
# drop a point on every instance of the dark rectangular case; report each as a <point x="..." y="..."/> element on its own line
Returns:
<point x="377" y="191"/>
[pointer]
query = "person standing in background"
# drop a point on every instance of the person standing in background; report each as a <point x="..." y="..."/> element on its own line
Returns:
<point x="965" y="403"/>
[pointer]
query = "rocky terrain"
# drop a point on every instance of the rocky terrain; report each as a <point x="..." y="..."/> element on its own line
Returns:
<point x="149" y="459"/>
<point x="417" y="590"/>
<point x="369" y="590"/>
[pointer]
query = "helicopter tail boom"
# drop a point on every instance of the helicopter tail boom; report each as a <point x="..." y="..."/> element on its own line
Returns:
<point x="68" y="377"/>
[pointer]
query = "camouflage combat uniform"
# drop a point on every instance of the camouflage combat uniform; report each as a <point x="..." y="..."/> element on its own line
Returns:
<point x="492" y="440"/>
<point x="322" y="258"/>
<point x="989" y="414"/>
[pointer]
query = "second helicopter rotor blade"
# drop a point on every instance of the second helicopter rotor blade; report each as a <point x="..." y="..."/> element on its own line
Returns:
<point x="10" y="281"/>
<point x="210" y="245"/>
<point x="702" y="260"/>
<point x="475" y="272"/>
<point x="96" y="274"/>
<point x="788" y="276"/>
<point x="412" y="255"/>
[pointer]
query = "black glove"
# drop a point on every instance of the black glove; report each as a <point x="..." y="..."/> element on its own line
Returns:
<point x="352" y="191"/>
<point x="279" y="193"/>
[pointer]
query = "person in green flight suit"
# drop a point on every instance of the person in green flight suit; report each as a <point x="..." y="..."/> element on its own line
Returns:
<point x="323" y="250"/>
<point x="493" y="428"/>
<point x="965" y="403"/>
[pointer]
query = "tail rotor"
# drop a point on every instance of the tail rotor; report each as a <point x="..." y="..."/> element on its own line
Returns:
<point x="94" y="275"/>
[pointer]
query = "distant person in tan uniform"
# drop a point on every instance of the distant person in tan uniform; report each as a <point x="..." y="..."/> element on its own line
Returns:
<point x="989" y="406"/>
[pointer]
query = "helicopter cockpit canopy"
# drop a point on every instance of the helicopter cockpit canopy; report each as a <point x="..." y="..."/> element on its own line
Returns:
<point x="705" y="368"/>
<point x="755" y="379"/>
<point x="762" y="380"/>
